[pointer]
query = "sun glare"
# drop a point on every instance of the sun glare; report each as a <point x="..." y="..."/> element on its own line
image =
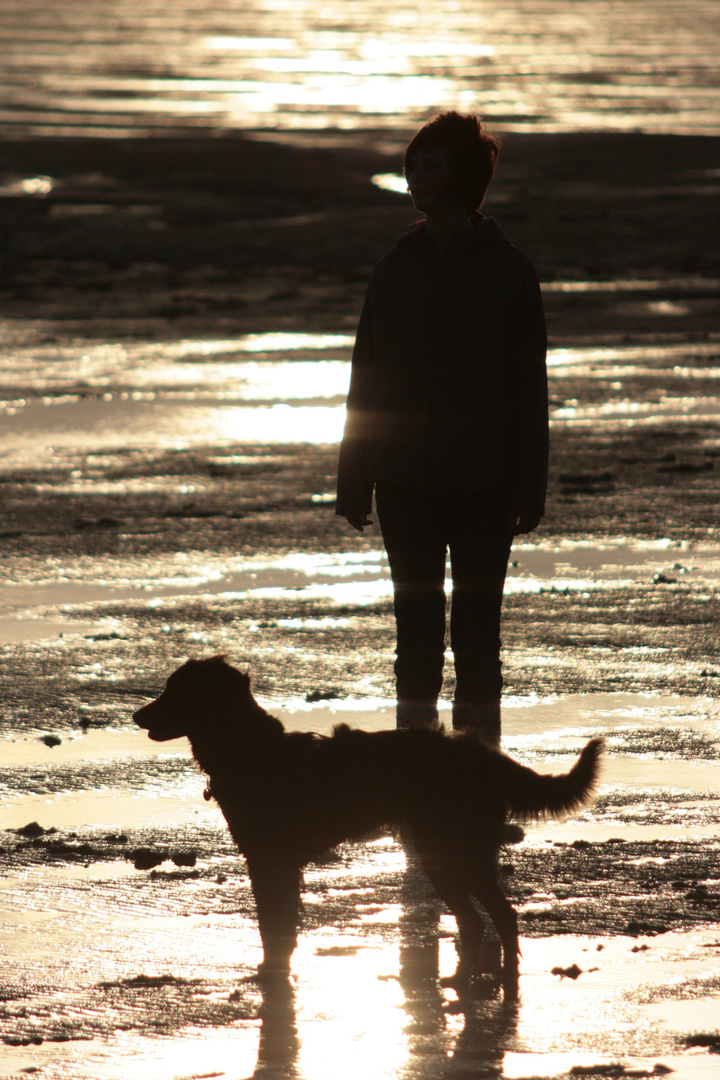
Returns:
<point x="360" y="1003"/>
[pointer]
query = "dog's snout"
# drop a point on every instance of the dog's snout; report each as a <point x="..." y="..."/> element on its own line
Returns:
<point x="140" y="714"/>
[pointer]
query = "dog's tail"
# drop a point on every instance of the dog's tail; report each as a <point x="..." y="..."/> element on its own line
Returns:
<point x="531" y="795"/>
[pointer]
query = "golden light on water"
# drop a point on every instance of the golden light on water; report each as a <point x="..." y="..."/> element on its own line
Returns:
<point x="111" y="973"/>
<point x="233" y="1054"/>
<point x="288" y="388"/>
<point x="358" y="1019"/>
<point x="280" y="342"/>
<point x="276" y="423"/>
<point x="391" y="182"/>
<point x="551" y="66"/>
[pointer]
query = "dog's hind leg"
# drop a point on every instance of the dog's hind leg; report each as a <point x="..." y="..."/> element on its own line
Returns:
<point x="504" y="918"/>
<point x="452" y="891"/>
<point x="276" y="888"/>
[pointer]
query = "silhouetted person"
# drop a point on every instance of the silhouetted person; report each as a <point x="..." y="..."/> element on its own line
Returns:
<point x="447" y="422"/>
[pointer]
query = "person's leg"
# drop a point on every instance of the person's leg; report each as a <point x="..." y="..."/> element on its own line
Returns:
<point x="480" y="540"/>
<point x="416" y="550"/>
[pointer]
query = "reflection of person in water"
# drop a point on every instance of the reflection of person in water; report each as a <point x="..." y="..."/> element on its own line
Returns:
<point x="447" y="421"/>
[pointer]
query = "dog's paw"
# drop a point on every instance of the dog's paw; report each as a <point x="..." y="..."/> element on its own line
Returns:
<point x="470" y="990"/>
<point x="460" y="982"/>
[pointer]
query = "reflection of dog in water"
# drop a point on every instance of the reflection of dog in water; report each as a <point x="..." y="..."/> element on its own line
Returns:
<point x="290" y="797"/>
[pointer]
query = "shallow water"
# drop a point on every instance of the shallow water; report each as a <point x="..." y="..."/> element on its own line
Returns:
<point x="112" y="971"/>
<point x="117" y="972"/>
<point x="124" y="67"/>
<point x="293" y="390"/>
<point x="37" y="594"/>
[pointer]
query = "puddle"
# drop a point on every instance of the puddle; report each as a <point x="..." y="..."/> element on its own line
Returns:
<point x="17" y="628"/>
<point x="631" y="359"/>
<point x="101" y="745"/>
<point x="162" y="424"/>
<point x="129" y="1057"/>
<point x="633" y="412"/>
<point x="109" y="809"/>
<point x="355" y="1001"/>
<point x="193" y="393"/>
<point x="37" y="600"/>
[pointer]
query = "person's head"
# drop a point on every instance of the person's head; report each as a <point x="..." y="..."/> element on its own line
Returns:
<point x="469" y="151"/>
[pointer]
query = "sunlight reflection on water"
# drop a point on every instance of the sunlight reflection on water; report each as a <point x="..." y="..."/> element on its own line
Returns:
<point x="362" y="1030"/>
<point x="196" y="392"/>
<point x="343" y="577"/>
<point x="548" y="65"/>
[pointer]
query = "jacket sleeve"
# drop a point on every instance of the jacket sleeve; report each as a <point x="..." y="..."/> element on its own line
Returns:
<point x="354" y="488"/>
<point x="529" y="389"/>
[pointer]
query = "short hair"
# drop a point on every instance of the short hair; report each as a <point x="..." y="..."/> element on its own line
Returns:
<point x="472" y="152"/>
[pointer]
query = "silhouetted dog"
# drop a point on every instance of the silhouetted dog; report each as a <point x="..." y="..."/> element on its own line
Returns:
<point x="290" y="797"/>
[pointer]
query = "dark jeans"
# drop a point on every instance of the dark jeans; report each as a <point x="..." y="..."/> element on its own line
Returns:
<point x="418" y="529"/>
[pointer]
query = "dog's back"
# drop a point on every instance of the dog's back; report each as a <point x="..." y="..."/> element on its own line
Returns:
<point x="320" y="791"/>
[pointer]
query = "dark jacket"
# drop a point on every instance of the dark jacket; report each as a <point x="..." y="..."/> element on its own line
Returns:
<point x="448" y="390"/>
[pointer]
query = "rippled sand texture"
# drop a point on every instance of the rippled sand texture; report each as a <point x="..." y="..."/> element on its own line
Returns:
<point x="178" y="313"/>
<point x="126" y="66"/>
<point x="159" y="504"/>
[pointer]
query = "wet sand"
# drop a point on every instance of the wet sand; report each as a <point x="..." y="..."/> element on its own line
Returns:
<point x="125" y="562"/>
<point x="231" y="234"/>
<point x="132" y="940"/>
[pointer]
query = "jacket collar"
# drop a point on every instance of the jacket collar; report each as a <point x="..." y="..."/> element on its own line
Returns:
<point x="485" y="231"/>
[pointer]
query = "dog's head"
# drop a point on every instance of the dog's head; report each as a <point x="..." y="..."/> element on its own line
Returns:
<point x="197" y="691"/>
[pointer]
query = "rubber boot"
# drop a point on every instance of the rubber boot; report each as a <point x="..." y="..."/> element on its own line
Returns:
<point x="417" y="714"/>
<point x="484" y="719"/>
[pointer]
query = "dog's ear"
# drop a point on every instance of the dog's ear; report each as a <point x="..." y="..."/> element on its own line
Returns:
<point x="224" y="670"/>
<point x="238" y="682"/>
<point x="216" y="678"/>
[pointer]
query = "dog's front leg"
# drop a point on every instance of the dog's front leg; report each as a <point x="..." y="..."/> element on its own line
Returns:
<point x="470" y="935"/>
<point x="276" y="888"/>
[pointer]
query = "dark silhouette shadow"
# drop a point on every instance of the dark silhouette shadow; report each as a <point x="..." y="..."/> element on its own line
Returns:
<point x="489" y="1022"/>
<point x="279" y="1041"/>
<point x="447" y="423"/>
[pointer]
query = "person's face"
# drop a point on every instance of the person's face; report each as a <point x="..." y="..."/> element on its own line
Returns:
<point x="430" y="181"/>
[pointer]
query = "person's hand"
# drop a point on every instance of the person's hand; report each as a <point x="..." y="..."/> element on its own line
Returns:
<point x="523" y="521"/>
<point x="358" y="520"/>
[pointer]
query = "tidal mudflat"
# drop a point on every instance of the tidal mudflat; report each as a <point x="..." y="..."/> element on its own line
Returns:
<point x="171" y="402"/>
